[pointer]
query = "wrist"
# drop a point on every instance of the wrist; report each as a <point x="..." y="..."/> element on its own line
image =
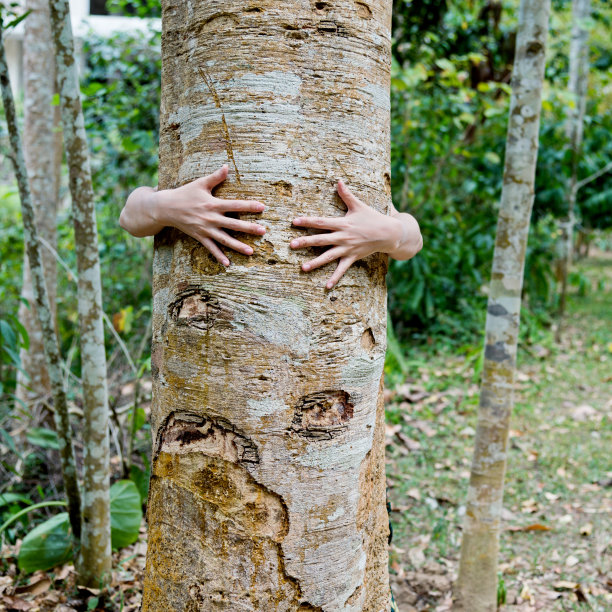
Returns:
<point x="157" y="207"/>
<point x="396" y="234"/>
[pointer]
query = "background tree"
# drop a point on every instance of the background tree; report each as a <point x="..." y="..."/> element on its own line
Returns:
<point x="577" y="85"/>
<point x="477" y="582"/>
<point x="43" y="308"/>
<point x="43" y="159"/>
<point x="95" y="554"/>
<point x="268" y="415"/>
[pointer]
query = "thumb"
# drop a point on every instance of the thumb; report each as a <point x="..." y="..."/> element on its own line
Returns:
<point x="212" y="180"/>
<point x="352" y="203"/>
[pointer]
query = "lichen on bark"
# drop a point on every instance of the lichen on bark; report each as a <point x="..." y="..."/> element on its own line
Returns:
<point x="43" y="160"/>
<point x="95" y="555"/>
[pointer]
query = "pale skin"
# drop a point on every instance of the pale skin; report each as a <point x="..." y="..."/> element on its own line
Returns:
<point x="194" y="210"/>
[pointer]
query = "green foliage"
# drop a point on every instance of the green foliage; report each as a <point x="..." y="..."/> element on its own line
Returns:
<point x="47" y="545"/>
<point x="42" y="437"/>
<point x="121" y="105"/>
<point x="501" y="590"/>
<point x="450" y="95"/>
<point x="50" y="543"/>
<point x="141" y="479"/>
<point x="126" y="513"/>
<point x="13" y="337"/>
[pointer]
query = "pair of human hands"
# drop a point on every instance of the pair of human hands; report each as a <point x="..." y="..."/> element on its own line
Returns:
<point x="194" y="210"/>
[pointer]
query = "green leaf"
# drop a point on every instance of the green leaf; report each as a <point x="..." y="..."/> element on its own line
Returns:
<point x="47" y="545"/>
<point x="45" y="438"/>
<point x="141" y="419"/>
<point x="126" y="513"/>
<point x="17" y="20"/>
<point x="9" y="339"/>
<point x="25" y="343"/>
<point x="141" y="479"/>
<point x="10" y="497"/>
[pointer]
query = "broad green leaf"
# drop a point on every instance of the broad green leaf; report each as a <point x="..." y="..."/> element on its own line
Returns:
<point x="126" y="513"/>
<point x="45" y="438"/>
<point x="47" y="545"/>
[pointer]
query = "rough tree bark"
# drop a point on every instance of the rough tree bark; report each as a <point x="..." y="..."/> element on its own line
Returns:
<point x="39" y="144"/>
<point x="574" y="127"/>
<point x="95" y="557"/>
<point x="268" y="483"/>
<point x="43" y="308"/>
<point x="476" y="588"/>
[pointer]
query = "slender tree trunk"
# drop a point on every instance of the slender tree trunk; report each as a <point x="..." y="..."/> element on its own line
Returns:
<point x="43" y="308"/>
<point x="95" y="559"/>
<point x="476" y="589"/>
<point x="41" y="160"/>
<point x="577" y="85"/>
<point x="268" y="484"/>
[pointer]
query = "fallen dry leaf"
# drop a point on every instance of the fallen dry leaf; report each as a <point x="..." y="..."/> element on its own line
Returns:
<point x="565" y="585"/>
<point x="532" y="527"/>
<point x="37" y="586"/>
<point x="409" y="443"/>
<point x="571" y="561"/>
<point x="16" y="603"/>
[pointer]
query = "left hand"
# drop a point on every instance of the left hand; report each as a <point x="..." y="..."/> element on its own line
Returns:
<point x="361" y="232"/>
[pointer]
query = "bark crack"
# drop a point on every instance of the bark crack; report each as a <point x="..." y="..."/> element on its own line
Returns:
<point x="226" y="133"/>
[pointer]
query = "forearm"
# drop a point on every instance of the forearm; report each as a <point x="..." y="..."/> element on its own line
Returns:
<point x="410" y="241"/>
<point x="139" y="215"/>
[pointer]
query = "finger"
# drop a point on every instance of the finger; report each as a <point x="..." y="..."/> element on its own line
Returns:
<point x="215" y="251"/>
<point x="212" y="180"/>
<point x="239" y="205"/>
<point x="323" y="259"/>
<point x="316" y="240"/>
<point x="226" y="240"/>
<point x="343" y="265"/>
<point x="330" y="223"/>
<point x="242" y="226"/>
<point x="347" y="196"/>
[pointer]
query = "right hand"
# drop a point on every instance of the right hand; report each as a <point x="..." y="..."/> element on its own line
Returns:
<point x="195" y="211"/>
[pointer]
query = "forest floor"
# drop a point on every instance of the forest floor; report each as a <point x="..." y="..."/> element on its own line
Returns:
<point x="556" y="545"/>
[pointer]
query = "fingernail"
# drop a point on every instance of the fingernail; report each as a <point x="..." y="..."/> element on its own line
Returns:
<point x="305" y="267"/>
<point x="226" y="262"/>
<point x="298" y="220"/>
<point x="262" y="230"/>
<point x="329" y="285"/>
<point x="248" y="251"/>
<point x="293" y="244"/>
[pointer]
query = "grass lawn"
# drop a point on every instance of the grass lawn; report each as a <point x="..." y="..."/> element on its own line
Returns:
<point x="556" y="547"/>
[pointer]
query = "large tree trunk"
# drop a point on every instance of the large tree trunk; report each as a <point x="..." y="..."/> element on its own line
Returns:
<point x="42" y="161"/>
<point x="574" y="127"/>
<point x="95" y="557"/>
<point x="477" y="583"/>
<point x="268" y="484"/>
